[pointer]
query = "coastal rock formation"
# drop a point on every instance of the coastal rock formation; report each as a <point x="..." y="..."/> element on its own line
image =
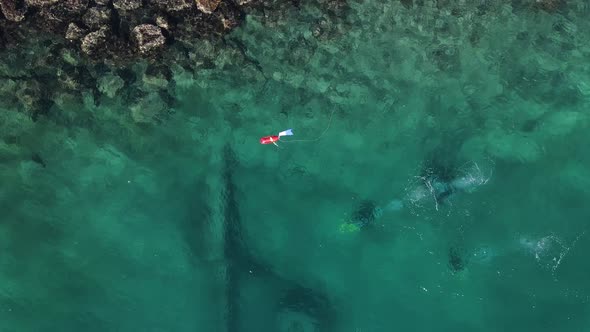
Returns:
<point x="73" y="7"/>
<point x="96" y="17"/>
<point x="94" y="41"/>
<point x="173" y="6"/>
<point x="110" y="85"/>
<point x="55" y="18"/>
<point x="74" y="32"/>
<point x="162" y="22"/>
<point x="207" y="6"/>
<point x="127" y="4"/>
<point x="13" y="10"/>
<point x="119" y="30"/>
<point x="40" y="3"/>
<point x="148" y="38"/>
<point x="87" y="48"/>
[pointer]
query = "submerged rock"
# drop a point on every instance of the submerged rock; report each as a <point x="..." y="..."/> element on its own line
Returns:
<point x="174" y="5"/>
<point x="162" y="22"/>
<point x="110" y="85"/>
<point x="148" y="38"/>
<point x="13" y="10"/>
<point x="94" y="41"/>
<point x="40" y="3"/>
<point x="74" y="32"/>
<point x="56" y="17"/>
<point x="127" y="4"/>
<point x="105" y="35"/>
<point x="151" y="82"/>
<point x="148" y="108"/>
<point x="96" y="17"/>
<point x="207" y="6"/>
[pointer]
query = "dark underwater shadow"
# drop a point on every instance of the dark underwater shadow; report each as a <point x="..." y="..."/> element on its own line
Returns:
<point x="241" y="264"/>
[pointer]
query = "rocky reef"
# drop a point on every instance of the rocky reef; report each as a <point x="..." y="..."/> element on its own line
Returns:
<point x="86" y="51"/>
<point x="57" y="52"/>
<point x="118" y="29"/>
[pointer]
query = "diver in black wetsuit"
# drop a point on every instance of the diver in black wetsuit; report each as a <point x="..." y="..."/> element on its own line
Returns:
<point x="431" y="187"/>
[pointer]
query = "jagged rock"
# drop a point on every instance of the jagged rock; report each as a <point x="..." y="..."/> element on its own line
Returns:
<point x="70" y="57"/>
<point x="148" y="108"/>
<point x="148" y="38"/>
<point x="13" y="10"/>
<point x="230" y="16"/>
<point x="127" y="4"/>
<point x="102" y="2"/>
<point x="110" y="84"/>
<point x="207" y="6"/>
<point x="74" y="32"/>
<point x="74" y="6"/>
<point x="96" y="17"/>
<point x="229" y="23"/>
<point x="94" y="41"/>
<point x="40" y="3"/>
<point x="162" y="22"/>
<point x="174" y="5"/>
<point x="56" y="16"/>
<point x="154" y="82"/>
<point x="29" y="95"/>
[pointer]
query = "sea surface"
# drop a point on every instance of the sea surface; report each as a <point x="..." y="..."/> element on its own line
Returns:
<point x="438" y="179"/>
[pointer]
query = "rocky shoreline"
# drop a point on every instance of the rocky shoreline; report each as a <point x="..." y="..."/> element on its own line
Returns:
<point x="56" y="50"/>
<point x="119" y="29"/>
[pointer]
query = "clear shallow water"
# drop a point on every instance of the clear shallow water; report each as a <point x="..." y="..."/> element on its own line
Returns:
<point x="191" y="224"/>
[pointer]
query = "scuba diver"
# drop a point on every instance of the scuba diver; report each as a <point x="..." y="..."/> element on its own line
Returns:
<point x="429" y="187"/>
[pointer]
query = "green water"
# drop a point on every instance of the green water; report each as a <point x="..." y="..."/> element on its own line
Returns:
<point x="189" y="224"/>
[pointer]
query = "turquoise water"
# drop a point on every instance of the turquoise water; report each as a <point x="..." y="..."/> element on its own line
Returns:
<point x="181" y="221"/>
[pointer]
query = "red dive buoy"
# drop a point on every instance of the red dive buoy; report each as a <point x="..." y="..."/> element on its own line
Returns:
<point x="269" y="139"/>
<point x="275" y="138"/>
